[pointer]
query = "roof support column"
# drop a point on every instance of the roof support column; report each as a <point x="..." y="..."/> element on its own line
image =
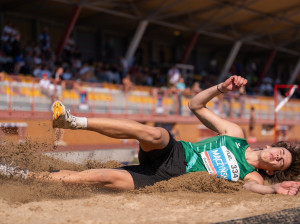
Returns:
<point x="295" y="73"/>
<point x="100" y="39"/>
<point x="232" y="55"/>
<point x="136" y="40"/>
<point x="189" y="48"/>
<point x="1" y="21"/>
<point x="68" y="31"/>
<point x="35" y="30"/>
<point x="151" y="50"/>
<point x="267" y="66"/>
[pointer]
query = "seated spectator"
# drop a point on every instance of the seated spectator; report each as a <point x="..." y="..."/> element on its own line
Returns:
<point x="37" y="72"/>
<point x="46" y="71"/>
<point x="37" y="48"/>
<point x="99" y="73"/>
<point x="148" y="79"/>
<point x="67" y="74"/>
<point x="45" y="39"/>
<point x="37" y="59"/>
<point x="266" y="88"/>
<point x="28" y="62"/>
<point x="115" y="75"/>
<point x="111" y="74"/>
<point x="84" y="71"/>
<point x="76" y="64"/>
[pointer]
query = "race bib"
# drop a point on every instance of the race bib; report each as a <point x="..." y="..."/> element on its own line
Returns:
<point x="221" y="162"/>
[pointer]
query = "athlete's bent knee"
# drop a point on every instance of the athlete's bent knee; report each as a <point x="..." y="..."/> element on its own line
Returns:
<point x="153" y="135"/>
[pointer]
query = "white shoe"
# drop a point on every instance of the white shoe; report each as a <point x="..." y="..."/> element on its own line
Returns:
<point x="63" y="119"/>
<point x="11" y="171"/>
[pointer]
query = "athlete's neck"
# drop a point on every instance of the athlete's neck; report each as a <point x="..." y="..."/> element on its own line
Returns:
<point x="252" y="157"/>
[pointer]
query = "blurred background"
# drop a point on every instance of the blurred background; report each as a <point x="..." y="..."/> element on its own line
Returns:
<point x="144" y="60"/>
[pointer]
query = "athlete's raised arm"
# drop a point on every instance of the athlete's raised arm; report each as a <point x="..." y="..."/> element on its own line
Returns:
<point x="198" y="106"/>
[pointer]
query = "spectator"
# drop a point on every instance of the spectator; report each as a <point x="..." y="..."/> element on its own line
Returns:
<point x="6" y="33"/>
<point x="58" y="85"/>
<point x="45" y="40"/>
<point x="173" y="75"/>
<point x="14" y="33"/>
<point x="45" y="84"/>
<point x="16" y="53"/>
<point x="6" y="37"/>
<point x="252" y="138"/>
<point x="180" y="86"/>
<point x="196" y="88"/>
<point x="84" y="71"/>
<point x="67" y="74"/>
<point x="266" y="87"/>
<point x="124" y="66"/>
<point x="116" y="77"/>
<point x="127" y="83"/>
<point x="69" y="47"/>
<point x="37" y="59"/>
<point x="100" y="74"/>
<point x="158" y="93"/>
<point x="37" y="72"/>
<point x="28" y="62"/>
<point x="46" y="71"/>
<point x="107" y="73"/>
<point x="241" y="100"/>
<point x="148" y="81"/>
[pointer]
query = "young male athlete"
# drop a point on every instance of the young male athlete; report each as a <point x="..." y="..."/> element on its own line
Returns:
<point x="227" y="155"/>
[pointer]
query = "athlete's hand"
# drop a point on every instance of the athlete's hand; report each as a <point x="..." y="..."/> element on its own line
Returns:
<point x="232" y="83"/>
<point x="287" y="188"/>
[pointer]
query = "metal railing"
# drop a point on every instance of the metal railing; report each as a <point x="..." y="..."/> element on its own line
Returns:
<point x="20" y="95"/>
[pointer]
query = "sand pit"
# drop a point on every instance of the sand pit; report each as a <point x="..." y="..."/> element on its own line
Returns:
<point x="192" y="198"/>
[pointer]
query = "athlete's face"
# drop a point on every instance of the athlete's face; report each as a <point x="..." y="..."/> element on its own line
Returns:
<point x="275" y="158"/>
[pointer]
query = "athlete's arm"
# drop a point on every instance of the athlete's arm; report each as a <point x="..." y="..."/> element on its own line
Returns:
<point x="255" y="183"/>
<point x="198" y="106"/>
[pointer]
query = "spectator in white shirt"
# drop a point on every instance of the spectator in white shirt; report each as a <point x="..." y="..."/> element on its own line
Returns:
<point x="45" y="84"/>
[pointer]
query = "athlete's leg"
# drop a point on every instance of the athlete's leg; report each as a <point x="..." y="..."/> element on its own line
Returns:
<point x="150" y="138"/>
<point x="106" y="178"/>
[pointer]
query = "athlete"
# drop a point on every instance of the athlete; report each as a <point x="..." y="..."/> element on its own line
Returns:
<point x="226" y="155"/>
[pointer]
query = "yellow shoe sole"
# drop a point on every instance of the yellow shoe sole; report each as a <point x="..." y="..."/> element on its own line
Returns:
<point x="56" y="110"/>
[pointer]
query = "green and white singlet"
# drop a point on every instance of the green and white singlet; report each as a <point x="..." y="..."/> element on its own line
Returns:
<point x="222" y="156"/>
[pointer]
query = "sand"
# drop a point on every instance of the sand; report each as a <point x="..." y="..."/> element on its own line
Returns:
<point x="191" y="198"/>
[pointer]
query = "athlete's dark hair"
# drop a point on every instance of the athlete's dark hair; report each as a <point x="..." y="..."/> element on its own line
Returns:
<point x="291" y="173"/>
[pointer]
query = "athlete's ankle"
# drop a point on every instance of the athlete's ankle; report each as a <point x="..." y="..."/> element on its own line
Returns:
<point x="81" y="122"/>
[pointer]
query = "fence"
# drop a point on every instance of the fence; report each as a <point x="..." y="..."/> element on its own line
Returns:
<point x="24" y="95"/>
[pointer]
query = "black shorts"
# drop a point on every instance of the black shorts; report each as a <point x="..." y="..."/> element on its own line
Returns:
<point x="158" y="165"/>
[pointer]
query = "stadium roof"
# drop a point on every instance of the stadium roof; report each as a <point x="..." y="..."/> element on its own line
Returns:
<point x="267" y="24"/>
